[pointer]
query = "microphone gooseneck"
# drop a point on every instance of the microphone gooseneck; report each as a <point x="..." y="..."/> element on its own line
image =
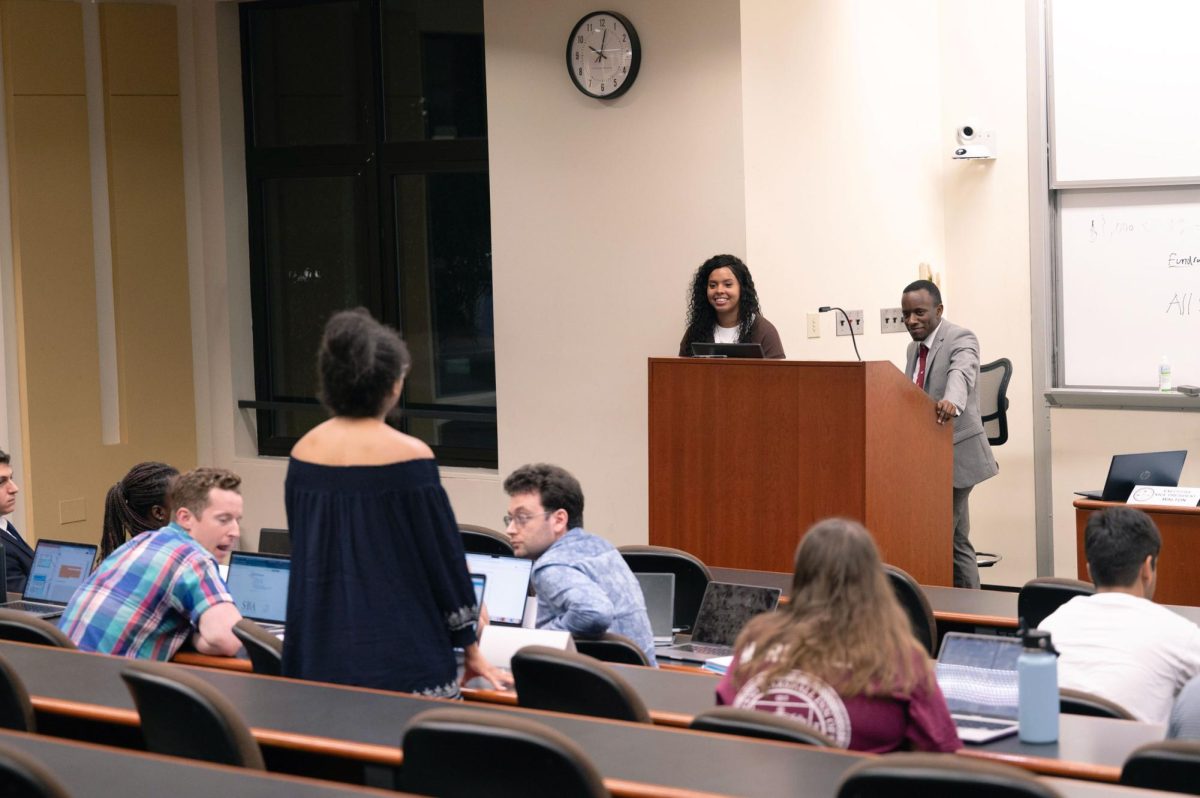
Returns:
<point x="849" y="324"/>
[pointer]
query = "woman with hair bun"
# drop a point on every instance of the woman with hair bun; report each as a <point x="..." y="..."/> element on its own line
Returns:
<point x="723" y="308"/>
<point x="379" y="594"/>
<point x="136" y="504"/>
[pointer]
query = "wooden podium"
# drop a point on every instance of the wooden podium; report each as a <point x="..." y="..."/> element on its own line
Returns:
<point x="745" y="455"/>
<point x="1177" y="562"/>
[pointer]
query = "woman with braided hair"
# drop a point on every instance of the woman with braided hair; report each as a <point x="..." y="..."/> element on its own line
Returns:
<point x="135" y="505"/>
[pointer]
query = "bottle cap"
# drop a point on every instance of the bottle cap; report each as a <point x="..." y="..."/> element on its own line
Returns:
<point x="1038" y="640"/>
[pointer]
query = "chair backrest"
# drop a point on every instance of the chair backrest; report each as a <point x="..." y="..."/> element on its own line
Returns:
<point x="16" y="710"/>
<point x="274" y="541"/>
<point x="691" y="576"/>
<point x="481" y="540"/>
<point x="612" y="647"/>
<point x="1042" y="596"/>
<point x="916" y="605"/>
<point x="763" y="725"/>
<point x="264" y="648"/>
<point x="993" y="399"/>
<point x="1170" y="765"/>
<point x="22" y="627"/>
<point x="564" y="681"/>
<point x="182" y="715"/>
<point x="939" y="776"/>
<point x="1077" y="702"/>
<point x="23" y="775"/>
<point x="506" y="757"/>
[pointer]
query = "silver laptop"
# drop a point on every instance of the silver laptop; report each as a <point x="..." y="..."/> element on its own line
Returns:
<point x="1126" y="471"/>
<point x="258" y="583"/>
<point x="724" y="610"/>
<point x="58" y="570"/>
<point x="978" y="676"/>
<point x="659" y="592"/>
<point x="507" y="586"/>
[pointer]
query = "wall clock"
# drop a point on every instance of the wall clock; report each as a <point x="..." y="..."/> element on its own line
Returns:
<point x="603" y="55"/>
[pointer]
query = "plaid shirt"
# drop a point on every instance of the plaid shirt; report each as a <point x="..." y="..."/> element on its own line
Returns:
<point x="146" y="597"/>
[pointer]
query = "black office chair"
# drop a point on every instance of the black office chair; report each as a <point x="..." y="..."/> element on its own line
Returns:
<point x="23" y="627"/>
<point x="912" y="598"/>
<point x="184" y="716"/>
<point x="564" y="681"/>
<point x="22" y="775"/>
<point x="1042" y="596"/>
<point x="274" y="541"/>
<point x="939" y="776"/>
<point x="691" y="577"/>
<point x="993" y="399"/>
<point x="1170" y="765"/>
<point x="498" y="756"/>
<point x="16" y="710"/>
<point x="1077" y="702"/>
<point x="265" y="649"/>
<point x="612" y="647"/>
<point x="481" y="540"/>
<point x="762" y="725"/>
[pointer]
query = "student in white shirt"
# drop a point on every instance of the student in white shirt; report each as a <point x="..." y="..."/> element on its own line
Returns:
<point x="1119" y="644"/>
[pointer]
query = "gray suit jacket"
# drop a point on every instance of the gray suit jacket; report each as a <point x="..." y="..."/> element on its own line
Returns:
<point x="951" y="372"/>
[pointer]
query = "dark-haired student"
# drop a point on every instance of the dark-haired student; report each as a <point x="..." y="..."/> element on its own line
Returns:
<point x="1118" y="643"/>
<point x="135" y="504"/>
<point x="18" y="557"/>
<point x="379" y="594"/>
<point x="723" y="308"/>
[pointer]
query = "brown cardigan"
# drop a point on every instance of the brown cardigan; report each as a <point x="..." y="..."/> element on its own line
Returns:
<point x="762" y="332"/>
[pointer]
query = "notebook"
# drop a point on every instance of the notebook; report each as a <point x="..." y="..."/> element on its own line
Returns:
<point x="659" y="592"/>
<point x="1129" y="470"/>
<point x="978" y="676"/>
<point x="507" y="585"/>
<point x="58" y="570"/>
<point x="724" y="610"/>
<point x="258" y="583"/>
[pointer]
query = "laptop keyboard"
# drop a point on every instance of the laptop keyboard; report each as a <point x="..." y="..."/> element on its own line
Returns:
<point x="962" y="723"/>
<point x="707" y="650"/>
<point x="32" y="606"/>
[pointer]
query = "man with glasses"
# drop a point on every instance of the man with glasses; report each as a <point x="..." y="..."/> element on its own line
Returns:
<point x="583" y="584"/>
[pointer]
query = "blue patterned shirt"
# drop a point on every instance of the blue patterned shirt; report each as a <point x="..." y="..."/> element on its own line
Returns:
<point x="146" y="597"/>
<point x="584" y="586"/>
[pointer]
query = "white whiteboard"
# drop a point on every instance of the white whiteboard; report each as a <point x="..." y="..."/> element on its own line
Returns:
<point x="1129" y="271"/>
<point x="1125" y="91"/>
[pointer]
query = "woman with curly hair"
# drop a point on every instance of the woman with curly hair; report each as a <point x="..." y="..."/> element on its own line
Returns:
<point x="723" y="308"/>
<point x="136" y="504"/>
<point x="841" y="656"/>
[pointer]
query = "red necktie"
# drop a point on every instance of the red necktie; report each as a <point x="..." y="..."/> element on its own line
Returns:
<point x="921" y="370"/>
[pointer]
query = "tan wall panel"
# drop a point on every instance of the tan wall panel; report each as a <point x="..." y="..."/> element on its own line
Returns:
<point x="43" y="47"/>
<point x="140" y="48"/>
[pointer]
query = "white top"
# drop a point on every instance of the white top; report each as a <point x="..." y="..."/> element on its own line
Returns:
<point x="1126" y="649"/>
<point x="725" y="335"/>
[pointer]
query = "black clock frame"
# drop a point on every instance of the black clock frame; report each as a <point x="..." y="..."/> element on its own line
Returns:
<point x="634" y="64"/>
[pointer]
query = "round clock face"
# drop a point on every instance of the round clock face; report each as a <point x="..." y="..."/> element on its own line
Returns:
<point x="603" y="55"/>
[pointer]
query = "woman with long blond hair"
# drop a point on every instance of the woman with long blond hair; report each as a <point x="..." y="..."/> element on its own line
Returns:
<point x="841" y="656"/>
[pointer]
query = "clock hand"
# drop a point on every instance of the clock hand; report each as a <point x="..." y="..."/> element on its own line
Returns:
<point x="603" y="39"/>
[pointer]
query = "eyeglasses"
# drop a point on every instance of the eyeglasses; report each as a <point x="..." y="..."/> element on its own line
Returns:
<point x="522" y="520"/>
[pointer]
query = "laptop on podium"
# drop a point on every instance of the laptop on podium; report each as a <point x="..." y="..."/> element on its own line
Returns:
<point x="1126" y="471"/>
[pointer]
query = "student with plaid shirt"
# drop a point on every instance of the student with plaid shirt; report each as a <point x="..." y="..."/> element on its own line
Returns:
<point x="147" y="597"/>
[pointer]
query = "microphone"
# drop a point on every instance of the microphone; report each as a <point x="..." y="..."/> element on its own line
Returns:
<point x="850" y="324"/>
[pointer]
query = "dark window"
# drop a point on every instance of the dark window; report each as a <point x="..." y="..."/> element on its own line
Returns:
<point x="366" y="162"/>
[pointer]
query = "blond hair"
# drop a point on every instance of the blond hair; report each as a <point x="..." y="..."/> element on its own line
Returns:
<point x="192" y="490"/>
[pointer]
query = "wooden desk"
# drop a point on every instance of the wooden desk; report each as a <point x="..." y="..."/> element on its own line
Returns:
<point x="98" y="771"/>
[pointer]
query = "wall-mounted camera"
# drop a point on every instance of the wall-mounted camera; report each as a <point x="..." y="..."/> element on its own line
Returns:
<point x="974" y="144"/>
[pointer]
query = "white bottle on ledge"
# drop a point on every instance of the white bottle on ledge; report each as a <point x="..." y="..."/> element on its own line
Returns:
<point x="1164" y="375"/>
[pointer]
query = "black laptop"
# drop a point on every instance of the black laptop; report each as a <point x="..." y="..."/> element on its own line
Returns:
<point x="1126" y="471"/>
<point x="702" y="349"/>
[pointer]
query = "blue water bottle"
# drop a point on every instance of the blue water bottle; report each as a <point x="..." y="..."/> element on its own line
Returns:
<point x="1037" y="683"/>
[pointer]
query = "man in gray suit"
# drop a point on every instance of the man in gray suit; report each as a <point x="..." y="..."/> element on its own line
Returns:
<point x="943" y="360"/>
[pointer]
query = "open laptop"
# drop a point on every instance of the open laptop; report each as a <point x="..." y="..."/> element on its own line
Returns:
<point x="724" y="610"/>
<point x="1129" y="470"/>
<point x="58" y="570"/>
<point x="507" y="585"/>
<point x="978" y="676"/>
<point x="659" y="592"/>
<point x="709" y="349"/>
<point x="258" y="583"/>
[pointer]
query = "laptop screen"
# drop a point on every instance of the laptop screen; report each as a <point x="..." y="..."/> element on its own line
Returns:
<point x="58" y="570"/>
<point x="507" y="585"/>
<point x="978" y="674"/>
<point x="259" y="585"/>
<point x="659" y="592"/>
<point x="726" y="608"/>
<point x="479" y="582"/>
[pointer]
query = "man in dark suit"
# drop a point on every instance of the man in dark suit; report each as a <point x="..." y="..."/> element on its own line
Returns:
<point x="943" y="360"/>
<point x="18" y="557"/>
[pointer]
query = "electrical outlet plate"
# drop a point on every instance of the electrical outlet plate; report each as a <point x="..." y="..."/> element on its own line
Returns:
<point x="891" y="320"/>
<point x="814" y="325"/>
<point x="856" y="318"/>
